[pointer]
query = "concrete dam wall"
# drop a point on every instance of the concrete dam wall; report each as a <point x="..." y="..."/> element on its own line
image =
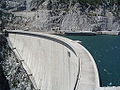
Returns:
<point x="54" y="62"/>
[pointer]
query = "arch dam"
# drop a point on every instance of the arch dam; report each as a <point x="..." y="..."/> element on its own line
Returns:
<point x="54" y="62"/>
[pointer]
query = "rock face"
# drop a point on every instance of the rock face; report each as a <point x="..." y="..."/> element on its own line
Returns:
<point x="75" y="20"/>
<point x="63" y="15"/>
<point x="13" y="76"/>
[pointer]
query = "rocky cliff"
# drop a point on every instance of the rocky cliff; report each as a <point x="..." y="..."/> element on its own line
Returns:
<point x="55" y="15"/>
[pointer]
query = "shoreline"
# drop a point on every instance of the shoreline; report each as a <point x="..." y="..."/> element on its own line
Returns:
<point x="88" y="33"/>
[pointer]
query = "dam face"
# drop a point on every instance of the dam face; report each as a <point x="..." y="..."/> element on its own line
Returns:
<point x="53" y="62"/>
<point x="53" y="65"/>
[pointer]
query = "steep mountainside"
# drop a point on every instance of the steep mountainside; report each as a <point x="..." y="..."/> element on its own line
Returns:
<point x="72" y="15"/>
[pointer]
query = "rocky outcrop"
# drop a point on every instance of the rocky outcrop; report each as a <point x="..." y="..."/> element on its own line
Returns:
<point x="13" y="76"/>
<point x="65" y="15"/>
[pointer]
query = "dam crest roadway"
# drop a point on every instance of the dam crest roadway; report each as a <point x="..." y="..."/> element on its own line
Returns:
<point x="55" y="62"/>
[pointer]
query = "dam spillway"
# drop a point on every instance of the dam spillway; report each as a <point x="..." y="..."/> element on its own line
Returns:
<point x="54" y="62"/>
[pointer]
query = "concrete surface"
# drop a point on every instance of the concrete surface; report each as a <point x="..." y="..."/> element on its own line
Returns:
<point x="56" y="63"/>
<point x="89" y="78"/>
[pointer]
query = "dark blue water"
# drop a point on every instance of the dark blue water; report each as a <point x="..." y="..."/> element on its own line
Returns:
<point x="106" y="52"/>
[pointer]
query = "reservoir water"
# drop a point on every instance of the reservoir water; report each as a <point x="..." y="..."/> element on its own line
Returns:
<point x="106" y="52"/>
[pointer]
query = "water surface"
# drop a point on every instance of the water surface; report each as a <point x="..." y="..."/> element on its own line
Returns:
<point x="106" y="52"/>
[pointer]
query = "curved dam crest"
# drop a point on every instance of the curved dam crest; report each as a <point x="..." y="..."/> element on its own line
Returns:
<point x="56" y="63"/>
